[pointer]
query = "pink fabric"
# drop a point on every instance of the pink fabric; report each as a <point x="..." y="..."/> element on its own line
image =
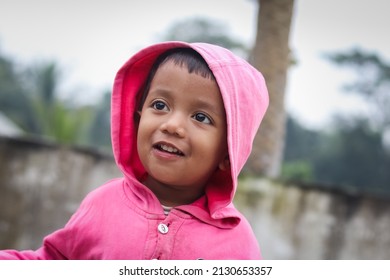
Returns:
<point x="120" y="220"/>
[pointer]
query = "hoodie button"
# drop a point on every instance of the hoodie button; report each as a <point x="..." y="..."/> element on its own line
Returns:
<point x="163" y="228"/>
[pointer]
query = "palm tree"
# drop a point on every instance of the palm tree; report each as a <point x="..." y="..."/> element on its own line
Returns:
<point x="14" y="102"/>
<point x="58" y="120"/>
<point x="30" y="98"/>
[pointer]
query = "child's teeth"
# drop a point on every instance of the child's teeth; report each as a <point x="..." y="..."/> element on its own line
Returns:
<point x="169" y="149"/>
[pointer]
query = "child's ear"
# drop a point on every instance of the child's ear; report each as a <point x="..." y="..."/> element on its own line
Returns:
<point x="224" y="165"/>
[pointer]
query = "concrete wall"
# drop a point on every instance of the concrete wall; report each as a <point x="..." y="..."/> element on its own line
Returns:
<point x="42" y="184"/>
<point x="296" y="222"/>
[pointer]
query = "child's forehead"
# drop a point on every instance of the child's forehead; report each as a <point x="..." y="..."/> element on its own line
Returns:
<point x="174" y="75"/>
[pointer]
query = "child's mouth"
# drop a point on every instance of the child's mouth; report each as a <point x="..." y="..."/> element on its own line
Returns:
<point x="168" y="149"/>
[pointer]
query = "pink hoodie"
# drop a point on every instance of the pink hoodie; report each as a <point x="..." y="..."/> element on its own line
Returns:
<point x="123" y="219"/>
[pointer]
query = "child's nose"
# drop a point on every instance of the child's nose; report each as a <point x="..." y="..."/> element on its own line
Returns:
<point x="174" y="125"/>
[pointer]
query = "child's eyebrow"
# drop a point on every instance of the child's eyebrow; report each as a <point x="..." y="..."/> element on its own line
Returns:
<point x="161" y="92"/>
<point x="209" y="107"/>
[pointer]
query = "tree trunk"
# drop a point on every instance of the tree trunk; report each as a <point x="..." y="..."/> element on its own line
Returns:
<point x="271" y="56"/>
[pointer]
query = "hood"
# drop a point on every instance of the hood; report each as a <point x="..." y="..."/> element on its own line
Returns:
<point x="245" y="98"/>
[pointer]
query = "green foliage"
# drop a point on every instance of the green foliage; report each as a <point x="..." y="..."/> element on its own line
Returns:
<point x="372" y="82"/>
<point x="302" y="143"/>
<point x="351" y="154"/>
<point x="298" y="170"/>
<point x="68" y="125"/>
<point x="99" y="132"/>
<point x="372" y="71"/>
<point x="354" y="155"/>
<point x="14" y="101"/>
<point x="30" y="98"/>
<point x="299" y="153"/>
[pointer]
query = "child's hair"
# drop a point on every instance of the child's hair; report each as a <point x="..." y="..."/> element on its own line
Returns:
<point x="184" y="57"/>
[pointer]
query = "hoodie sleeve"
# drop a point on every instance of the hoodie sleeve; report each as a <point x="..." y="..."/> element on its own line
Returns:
<point x="48" y="251"/>
<point x="40" y="254"/>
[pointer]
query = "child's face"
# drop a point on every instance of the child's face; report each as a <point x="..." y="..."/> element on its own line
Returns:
<point x="182" y="131"/>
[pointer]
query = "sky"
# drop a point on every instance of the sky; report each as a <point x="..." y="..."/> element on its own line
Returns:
<point x="91" y="39"/>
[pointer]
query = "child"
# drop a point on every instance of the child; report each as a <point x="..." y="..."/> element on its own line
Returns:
<point x="183" y="120"/>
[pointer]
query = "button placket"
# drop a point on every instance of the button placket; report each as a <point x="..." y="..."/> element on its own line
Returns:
<point x="166" y="232"/>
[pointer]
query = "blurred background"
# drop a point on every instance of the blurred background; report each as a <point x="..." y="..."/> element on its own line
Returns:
<point x="317" y="185"/>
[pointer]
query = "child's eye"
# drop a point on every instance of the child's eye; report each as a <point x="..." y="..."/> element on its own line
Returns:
<point x="203" y="118"/>
<point x="160" y="106"/>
